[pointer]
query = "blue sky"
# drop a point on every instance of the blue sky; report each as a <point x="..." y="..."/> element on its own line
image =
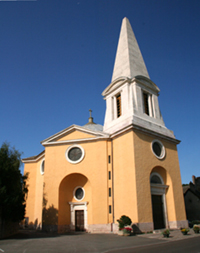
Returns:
<point x="57" y="56"/>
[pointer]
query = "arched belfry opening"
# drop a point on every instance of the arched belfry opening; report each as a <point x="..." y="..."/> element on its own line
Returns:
<point x="158" y="198"/>
<point x="74" y="198"/>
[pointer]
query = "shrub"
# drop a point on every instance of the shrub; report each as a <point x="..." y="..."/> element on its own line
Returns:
<point x="124" y="221"/>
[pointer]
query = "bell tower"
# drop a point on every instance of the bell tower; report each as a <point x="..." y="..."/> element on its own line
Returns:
<point x="145" y="166"/>
<point x="132" y="98"/>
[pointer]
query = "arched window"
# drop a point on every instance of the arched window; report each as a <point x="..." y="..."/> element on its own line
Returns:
<point x="156" y="178"/>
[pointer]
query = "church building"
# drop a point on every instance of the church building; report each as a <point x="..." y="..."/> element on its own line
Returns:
<point x="88" y="176"/>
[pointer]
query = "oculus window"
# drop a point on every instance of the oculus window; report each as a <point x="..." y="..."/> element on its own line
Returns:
<point x="79" y="193"/>
<point x="75" y="154"/>
<point x="158" y="149"/>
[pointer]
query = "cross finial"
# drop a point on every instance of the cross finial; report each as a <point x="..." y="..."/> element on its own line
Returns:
<point x="90" y="113"/>
<point x="90" y="118"/>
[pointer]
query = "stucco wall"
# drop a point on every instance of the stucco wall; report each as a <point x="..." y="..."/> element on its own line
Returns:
<point x="125" y="201"/>
<point x="90" y="173"/>
<point x="35" y="193"/>
<point x="168" y="167"/>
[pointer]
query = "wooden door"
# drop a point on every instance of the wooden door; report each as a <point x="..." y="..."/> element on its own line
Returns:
<point x="158" y="214"/>
<point x="79" y="220"/>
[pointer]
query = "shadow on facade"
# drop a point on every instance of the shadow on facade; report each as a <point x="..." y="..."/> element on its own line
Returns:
<point x="49" y="215"/>
<point x="50" y="219"/>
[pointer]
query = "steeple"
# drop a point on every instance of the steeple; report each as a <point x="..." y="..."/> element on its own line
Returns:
<point x="129" y="61"/>
<point x="132" y="98"/>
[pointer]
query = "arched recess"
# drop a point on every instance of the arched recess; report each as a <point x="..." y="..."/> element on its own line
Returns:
<point x="158" y="178"/>
<point x="74" y="199"/>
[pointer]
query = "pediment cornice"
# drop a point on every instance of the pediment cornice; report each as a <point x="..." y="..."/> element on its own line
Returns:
<point x="54" y="139"/>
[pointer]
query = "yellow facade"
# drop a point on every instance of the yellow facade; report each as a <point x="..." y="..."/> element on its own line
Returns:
<point x="114" y="173"/>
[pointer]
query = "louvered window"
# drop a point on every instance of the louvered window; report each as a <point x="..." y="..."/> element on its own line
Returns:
<point x="118" y="98"/>
<point x="146" y="103"/>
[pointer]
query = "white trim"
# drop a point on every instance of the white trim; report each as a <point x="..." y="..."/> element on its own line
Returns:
<point x="58" y="135"/>
<point x="75" y="140"/>
<point x="75" y="192"/>
<point x="31" y="160"/>
<point x="115" y="85"/>
<point x="78" y="206"/>
<point x="158" y="175"/>
<point x="82" y="155"/>
<point x="145" y="131"/>
<point x="162" y="149"/>
<point x="41" y="164"/>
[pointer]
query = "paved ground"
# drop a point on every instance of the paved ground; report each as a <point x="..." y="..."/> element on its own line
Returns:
<point x="31" y="242"/>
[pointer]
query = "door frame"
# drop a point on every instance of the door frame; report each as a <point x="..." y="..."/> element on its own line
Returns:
<point x="78" y="206"/>
<point x="160" y="189"/>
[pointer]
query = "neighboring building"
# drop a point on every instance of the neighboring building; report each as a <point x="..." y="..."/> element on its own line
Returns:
<point x="88" y="176"/>
<point x="192" y="199"/>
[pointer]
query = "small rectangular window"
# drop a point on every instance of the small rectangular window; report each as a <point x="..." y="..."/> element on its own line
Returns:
<point x="109" y="192"/>
<point x="118" y="98"/>
<point x="109" y="175"/>
<point x="146" y="103"/>
<point x="109" y="159"/>
<point x="110" y="209"/>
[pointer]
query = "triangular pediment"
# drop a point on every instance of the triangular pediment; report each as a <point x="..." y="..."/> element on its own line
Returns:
<point x="74" y="134"/>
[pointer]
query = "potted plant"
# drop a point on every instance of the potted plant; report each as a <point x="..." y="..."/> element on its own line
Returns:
<point x="196" y="229"/>
<point x="185" y="231"/>
<point x="124" y="225"/>
<point x="127" y="230"/>
<point x="166" y="233"/>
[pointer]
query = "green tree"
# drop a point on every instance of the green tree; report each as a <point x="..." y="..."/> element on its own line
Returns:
<point x="13" y="186"/>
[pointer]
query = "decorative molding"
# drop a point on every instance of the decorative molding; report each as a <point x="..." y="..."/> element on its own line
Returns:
<point x="74" y="193"/>
<point x="78" y="206"/>
<point x="145" y="131"/>
<point x="33" y="159"/>
<point x="163" y="153"/>
<point x="74" y="141"/>
<point x="82" y="155"/>
<point x="52" y="140"/>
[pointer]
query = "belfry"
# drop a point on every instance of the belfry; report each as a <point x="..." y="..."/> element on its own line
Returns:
<point x="88" y="176"/>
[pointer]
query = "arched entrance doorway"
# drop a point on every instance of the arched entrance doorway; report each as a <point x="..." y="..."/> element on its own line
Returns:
<point x="158" y="190"/>
<point x="74" y="197"/>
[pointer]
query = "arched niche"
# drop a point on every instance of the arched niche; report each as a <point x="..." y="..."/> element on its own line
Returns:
<point x="71" y="204"/>
<point x="158" y="197"/>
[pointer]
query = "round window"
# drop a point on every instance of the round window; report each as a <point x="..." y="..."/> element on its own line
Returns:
<point x="42" y="167"/>
<point x="75" y="154"/>
<point x="158" y="149"/>
<point x="79" y="193"/>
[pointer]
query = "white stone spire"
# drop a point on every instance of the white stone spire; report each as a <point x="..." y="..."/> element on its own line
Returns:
<point x="129" y="61"/>
<point x="132" y="98"/>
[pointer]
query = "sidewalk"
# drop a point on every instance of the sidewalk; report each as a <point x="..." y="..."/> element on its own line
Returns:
<point x="174" y="235"/>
